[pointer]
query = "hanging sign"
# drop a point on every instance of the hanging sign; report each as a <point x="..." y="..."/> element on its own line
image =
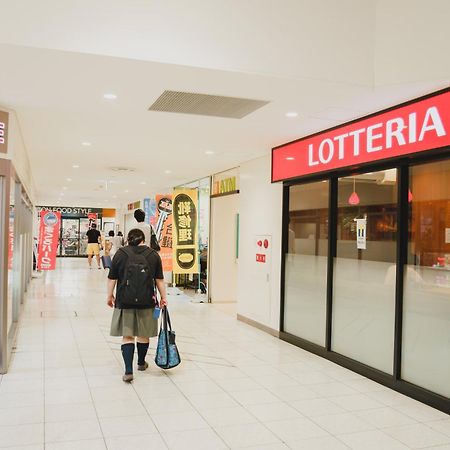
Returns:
<point x="423" y="124"/>
<point x="361" y="233"/>
<point x="48" y="239"/>
<point x="185" y="243"/>
<point x="150" y="210"/>
<point x="163" y="229"/>
<point x="4" y="119"/>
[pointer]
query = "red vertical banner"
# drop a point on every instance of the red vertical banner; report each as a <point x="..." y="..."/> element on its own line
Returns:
<point x="48" y="239"/>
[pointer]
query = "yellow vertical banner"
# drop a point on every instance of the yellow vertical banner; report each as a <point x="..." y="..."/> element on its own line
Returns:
<point x="185" y="237"/>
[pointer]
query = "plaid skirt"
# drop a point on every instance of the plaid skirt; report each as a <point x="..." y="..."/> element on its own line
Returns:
<point x="134" y="322"/>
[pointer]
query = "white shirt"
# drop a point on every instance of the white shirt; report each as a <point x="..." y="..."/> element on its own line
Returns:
<point x="145" y="227"/>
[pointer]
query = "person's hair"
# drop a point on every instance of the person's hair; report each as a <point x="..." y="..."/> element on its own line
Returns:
<point x="119" y="233"/>
<point x="139" y="215"/>
<point x="135" y="237"/>
<point x="111" y="233"/>
<point x="94" y="225"/>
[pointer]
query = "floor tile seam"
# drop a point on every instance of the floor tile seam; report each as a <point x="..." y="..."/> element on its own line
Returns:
<point x="197" y="410"/>
<point x="338" y="436"/>
<point x="89" y="388"/>
<point x="419" y="423"/>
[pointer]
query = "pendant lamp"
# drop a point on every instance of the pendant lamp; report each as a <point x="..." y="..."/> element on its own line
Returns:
<point x="354" y="198"/>
<point x="410" y="196"/>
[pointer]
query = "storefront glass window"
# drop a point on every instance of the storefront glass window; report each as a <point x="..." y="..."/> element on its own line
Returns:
<point x="426" y="307"/>
<point x="12" y="253"/>
<point x="306" y="262"/>
<point x="365" y="269"/>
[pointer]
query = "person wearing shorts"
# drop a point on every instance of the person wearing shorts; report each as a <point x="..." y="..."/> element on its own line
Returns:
<point x="93" y="247"/>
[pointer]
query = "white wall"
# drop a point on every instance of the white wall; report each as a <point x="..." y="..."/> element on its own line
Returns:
<point x="223" y="263"/>
<point x="260" y="207"/>
<point x="18" y="153"/>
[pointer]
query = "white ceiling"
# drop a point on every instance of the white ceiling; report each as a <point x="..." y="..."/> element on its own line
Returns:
<point x="329" y="61"/>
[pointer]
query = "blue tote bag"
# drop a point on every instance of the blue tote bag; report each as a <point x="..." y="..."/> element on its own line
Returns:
<point x="167" y="355"/>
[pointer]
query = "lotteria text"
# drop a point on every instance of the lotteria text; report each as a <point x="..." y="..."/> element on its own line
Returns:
<point x="415" y="127"/>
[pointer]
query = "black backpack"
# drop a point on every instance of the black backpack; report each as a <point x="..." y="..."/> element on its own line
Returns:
<point x="137" y="288"/>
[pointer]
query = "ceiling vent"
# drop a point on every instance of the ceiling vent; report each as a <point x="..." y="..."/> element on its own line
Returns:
<point x="206" y="105"/>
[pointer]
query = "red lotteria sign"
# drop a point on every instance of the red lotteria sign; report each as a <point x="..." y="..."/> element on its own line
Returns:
<point x="423" y="124"/>
<point x="48" y="239"/>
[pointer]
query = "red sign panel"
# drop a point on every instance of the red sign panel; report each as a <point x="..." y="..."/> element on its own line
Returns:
<point x="415" y="127"/>
<point x="48" y="239"/>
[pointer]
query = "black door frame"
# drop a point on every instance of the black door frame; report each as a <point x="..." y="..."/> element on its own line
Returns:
<point x="394" y="381"/>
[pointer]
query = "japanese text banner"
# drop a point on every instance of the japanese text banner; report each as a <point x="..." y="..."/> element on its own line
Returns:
<point x="48" y="239"/>
<point x="163" y="229"/>
<point x="185" y="240"/>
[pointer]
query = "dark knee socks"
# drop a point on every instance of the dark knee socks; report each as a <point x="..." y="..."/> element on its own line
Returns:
<point x="127" y="354"/>
<point x="142" y="352"/>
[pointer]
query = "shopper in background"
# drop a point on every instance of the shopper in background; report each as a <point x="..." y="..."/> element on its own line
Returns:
<point x="93" y="247"/>
<point x="134" y="269"/>
<point x="150" y="236"/>
<point x="112" y="243"/>
<point x="119" y="234"/>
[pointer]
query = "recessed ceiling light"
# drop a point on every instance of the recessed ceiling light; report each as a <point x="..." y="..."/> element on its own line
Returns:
<point x="167" y="171"/>
<point x="114" y="196"/>
<point x="209" y="152"/>
<point x="110" y="96"/>
<point x="69" y="179"/>
<point x="86" y="144"/>
<point x="291" y="114"/>
<point x="143" y="182"/>
<point x="290" y="158"/>
<point x="76" y="166"/>
<point x="62" y="194"/>
<point x="65" y="188"/>
<point x="126" y="190"/>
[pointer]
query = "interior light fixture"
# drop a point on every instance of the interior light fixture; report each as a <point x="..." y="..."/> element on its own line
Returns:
<point x="209" y="152"/>
<point x="167" y="171"/>
<point x="65" y="188"/>
<point x="290" y="158"/>
<point x="86" y="144"/>
<point x="291" y="114"/>
<point x="354" y="198"/>
<point x="143" y="182"/>
<point x="114" y="196"/>
<point x="126" y="190"/>
<point x="110" y="96"/>
<point x="76" y="166"/>
<point x="69" y="179"/>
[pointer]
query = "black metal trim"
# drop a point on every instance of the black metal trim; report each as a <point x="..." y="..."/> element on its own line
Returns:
<point x="402" y="246"/>
<point x="332" y="245"/>
<point x="284" y="250"/>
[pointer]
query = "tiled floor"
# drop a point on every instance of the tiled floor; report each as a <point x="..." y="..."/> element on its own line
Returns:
<point x="236" y="388"/>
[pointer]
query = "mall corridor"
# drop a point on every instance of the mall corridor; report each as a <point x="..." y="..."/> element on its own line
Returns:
<point x="237" y="387"/>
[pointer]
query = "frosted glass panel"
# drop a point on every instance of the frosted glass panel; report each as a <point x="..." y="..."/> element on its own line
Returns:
<point x="426" y="304"/>
<point x="363" y="311"/>
<point x="306" y="262"/>
<point x="365" y="269"/>
<point x="306" y="293"/>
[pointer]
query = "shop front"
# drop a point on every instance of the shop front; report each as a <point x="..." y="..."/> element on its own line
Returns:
<point x="76" y="221"/>
<point x="366" y="246"/>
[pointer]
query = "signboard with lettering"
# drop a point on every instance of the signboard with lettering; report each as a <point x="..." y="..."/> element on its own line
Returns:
<point x="163" y="229"/>
<point x="72" y="212"/>
<point x="4" y="120"/>
<point x="185" y="238"/>
<point x="420" y="125"/>
<point x="48" y="239"/>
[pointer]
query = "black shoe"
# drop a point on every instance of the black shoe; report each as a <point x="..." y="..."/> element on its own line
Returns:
<point x="143" y="367"/>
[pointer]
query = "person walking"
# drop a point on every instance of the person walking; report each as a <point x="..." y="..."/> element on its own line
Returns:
<point x="112" y="243"/>
<point x="93" y="247"/>
<point x="135" y="269"/>
<point x="149" y="233"/>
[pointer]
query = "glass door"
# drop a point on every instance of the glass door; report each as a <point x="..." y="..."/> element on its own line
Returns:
<point x="365" y="269"/>
<point x="426" y="300"/>
<point x="84" y="228"/>
<point x="70" y="237"/>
